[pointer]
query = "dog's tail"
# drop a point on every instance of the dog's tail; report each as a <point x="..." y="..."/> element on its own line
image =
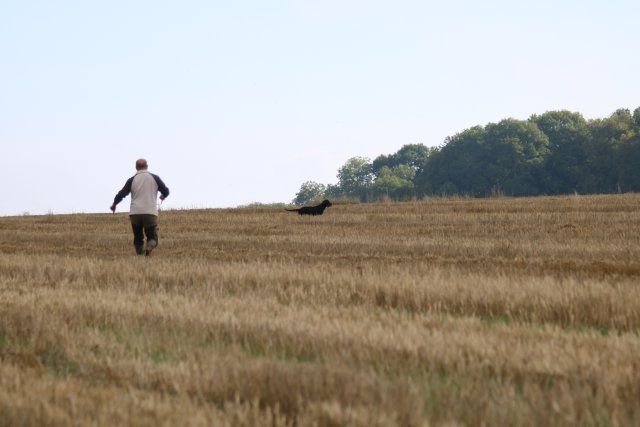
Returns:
<point x="292" y="210"/>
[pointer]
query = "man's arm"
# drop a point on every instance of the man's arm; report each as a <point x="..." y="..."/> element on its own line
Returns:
<point x="163" y="189"/>
<point x="122" y="193"/>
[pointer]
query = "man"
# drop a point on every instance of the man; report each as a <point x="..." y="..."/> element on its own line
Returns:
<point x="144" y="187"/>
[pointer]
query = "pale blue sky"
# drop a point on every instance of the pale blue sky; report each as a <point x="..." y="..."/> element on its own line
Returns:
<point x="233" y="102"/>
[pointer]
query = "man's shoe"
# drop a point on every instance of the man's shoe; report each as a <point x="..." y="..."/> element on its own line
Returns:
<point x="139" y="249"/>
<point x="151" y="244"/>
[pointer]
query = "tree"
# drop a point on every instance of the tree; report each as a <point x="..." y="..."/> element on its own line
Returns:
<point x="565" y="169"/>
<point x="557" y="152"/>
<point x="504" y="156"/>
<point x="456" y="166"/>
<point x="333" y="191"/>
<point x="382" y="161"/>
<point x="396" y="183"/>
<point x="624" y="134"/>
<point x="404" y="172"/>
<point x="607" y="151"/>
<point x="513" y="152"/>
<point x="414" y="155"/>
<point x="309" y="191"/>
<point x="629" y="164"/>
<point x="355" y="177"/>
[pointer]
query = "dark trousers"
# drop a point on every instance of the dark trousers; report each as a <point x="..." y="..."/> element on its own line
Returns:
<point x="143" y="225"/>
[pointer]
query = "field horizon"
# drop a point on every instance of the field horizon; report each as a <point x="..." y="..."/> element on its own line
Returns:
<point x="443" y="311"/>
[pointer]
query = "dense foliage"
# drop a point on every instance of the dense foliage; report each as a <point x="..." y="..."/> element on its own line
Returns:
<point x="558" y="152"/>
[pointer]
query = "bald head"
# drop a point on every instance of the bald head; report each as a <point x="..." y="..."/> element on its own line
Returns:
<point x="141" y="164"/>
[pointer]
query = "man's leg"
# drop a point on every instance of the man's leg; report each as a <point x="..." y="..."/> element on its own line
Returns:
<point x="151" y="231"/>
<point x="138" y="236"/>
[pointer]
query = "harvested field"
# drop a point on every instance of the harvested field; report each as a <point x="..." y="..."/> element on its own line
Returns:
<point x="438" y="312"/>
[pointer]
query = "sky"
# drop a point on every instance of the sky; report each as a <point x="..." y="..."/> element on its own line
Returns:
<point x="233" y="102"/>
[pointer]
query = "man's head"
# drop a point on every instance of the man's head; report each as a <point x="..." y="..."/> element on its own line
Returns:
<point x="141" y="164"/>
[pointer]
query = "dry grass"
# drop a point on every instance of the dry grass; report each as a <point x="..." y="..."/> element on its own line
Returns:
<point x="448" y="311"/>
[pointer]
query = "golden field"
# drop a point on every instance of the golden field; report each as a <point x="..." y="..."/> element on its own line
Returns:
<point x="445" y="311"/>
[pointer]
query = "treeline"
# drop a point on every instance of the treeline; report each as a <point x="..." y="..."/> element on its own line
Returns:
<point x="558" y="152"/>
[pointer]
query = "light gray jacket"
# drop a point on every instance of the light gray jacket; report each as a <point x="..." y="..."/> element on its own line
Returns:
<point x="144" y="187"/>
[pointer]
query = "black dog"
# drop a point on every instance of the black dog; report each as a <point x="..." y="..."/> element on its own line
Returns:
<point x="312" y="210"/>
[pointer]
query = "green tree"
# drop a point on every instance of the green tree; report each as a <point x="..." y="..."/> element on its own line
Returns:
<point x="309" y="191"/>
<point x="504" y="156"/>
<point x="396" y="183"/>
<point x="514" y="151"/>
<point x="629" y="157"/>
<point x="629" y="164"/>
<point x="552" y="153"/>
<point x="414" y="155"/>
<point x="404" y="172"/>
<point x="608" y="149"/>
<point x="566" y="168"/>
<point x="455" y="167"/>
<point x="333" y="191"/>
<point x="355" y="177"/>
<point x="624" y="133"/>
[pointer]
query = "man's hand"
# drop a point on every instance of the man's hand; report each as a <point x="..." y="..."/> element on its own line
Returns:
<point x="162" y="197"/>
<point x="113" y="208"/>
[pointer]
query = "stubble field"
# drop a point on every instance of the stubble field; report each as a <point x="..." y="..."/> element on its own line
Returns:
<point x="444" y="311"/>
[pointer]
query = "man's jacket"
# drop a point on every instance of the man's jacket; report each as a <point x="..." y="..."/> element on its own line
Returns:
<point x="144" y="187"/>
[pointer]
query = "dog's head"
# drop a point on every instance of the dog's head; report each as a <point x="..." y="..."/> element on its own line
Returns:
<point x="326" y="203"/>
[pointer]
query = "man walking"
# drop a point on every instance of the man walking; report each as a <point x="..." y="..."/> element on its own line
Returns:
<point x="144" y="187"/>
